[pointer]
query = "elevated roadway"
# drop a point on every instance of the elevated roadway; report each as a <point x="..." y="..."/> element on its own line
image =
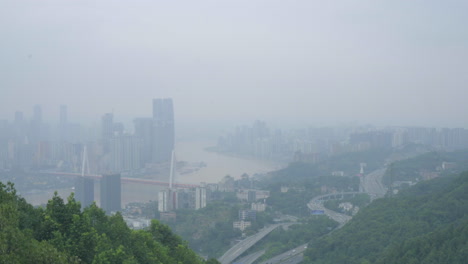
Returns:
<point x="294" y="255"/>
<point x="251" y="258"/>
<point x="242" y="246"/>
<point x="335" y="196"/>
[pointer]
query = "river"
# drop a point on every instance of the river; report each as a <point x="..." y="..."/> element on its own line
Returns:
<point x="217" y="166"/>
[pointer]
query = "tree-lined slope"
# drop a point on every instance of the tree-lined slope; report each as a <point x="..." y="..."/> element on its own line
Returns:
<point x="425" y="224"/>
<point x="61" y="233"/>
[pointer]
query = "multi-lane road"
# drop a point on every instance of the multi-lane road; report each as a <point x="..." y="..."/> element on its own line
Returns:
<point x="317" y="204"/>
<point x="292" y="256"/>
<point x="251" y="258"/>
<point x="245" y="244"/>
<point x="372" y="184"/>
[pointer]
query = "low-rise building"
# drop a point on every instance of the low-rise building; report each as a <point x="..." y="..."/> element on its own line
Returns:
<point x="241" y="225"/>
<point x="259" y="207"/>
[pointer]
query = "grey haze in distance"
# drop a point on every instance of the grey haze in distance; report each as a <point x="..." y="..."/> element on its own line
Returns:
<point x="287" y="62"/>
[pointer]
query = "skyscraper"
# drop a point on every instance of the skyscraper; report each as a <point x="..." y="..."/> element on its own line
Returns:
<point x="107" y="130"/>
<point x="125" y="153"/>
<point x="111" y="193"/>
<point x="144" y="131"/>
<point x="163" y="130"/>
<point x="84" y="191"/>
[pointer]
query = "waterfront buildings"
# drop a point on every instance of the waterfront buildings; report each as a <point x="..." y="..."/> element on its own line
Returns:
<point x="167" y="200"/>
<point x="84" y="191"/>
<point x="111" y="193"/>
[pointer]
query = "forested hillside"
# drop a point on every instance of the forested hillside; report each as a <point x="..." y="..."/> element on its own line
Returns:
<point x="427" y="223"/>
<point x="61" y="233"/>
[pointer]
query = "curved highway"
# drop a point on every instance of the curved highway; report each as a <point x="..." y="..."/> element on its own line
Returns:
<point x="245" y="244"/>
<point x="372" y="184"/>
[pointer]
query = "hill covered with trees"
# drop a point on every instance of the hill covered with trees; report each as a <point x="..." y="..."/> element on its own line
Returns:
<point x="61" y="233"/>
<point x="427" y="223"/>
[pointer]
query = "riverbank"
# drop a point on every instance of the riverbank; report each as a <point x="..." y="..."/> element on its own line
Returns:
<point x="216" y="166"/>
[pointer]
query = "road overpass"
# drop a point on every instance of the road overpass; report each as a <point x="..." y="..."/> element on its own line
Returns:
<point x="251" y="258"/>
<point x="336" y="196"/>
<point x="242" y="246"/>
<point x="317" y="204"/>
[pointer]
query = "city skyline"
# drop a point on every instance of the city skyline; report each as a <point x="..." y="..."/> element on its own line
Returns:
<point x="60" y="115"/>
<point x="303" y="62"/>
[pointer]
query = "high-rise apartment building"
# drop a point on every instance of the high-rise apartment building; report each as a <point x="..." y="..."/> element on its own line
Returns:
<point x="144" y="131"/>
<point x="200" y="198"/>
<point x="125" y="153"/>
<point x="111" y="193"/>
<point x="84" y="191"/>
<point x="107" y="131"/>
<point x="167" y="200"/>
<point x="163" y="130"/>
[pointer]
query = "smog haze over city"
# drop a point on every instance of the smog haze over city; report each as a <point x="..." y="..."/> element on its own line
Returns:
<point x="233" y="131"/>
<point x="224" y="62"/>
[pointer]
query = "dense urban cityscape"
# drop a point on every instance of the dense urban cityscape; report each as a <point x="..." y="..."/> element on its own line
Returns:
<point x="96" y="169"/>
<point x="233" y="132"/>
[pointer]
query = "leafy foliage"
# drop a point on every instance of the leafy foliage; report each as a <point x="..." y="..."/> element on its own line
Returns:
<point x="304" y="182"/>
<point x="359" y="200"/>
<point x="409" y="169"/>
<point x="409" y="228"/>
<point x="61" y="233"/>
<point x="208" y="230"/>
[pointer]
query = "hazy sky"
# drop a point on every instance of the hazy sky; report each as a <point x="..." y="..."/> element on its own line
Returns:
<point x="395" y="62"/>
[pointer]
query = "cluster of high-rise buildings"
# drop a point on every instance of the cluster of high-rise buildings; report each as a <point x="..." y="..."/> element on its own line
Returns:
<point x="447" y="139"/>
<point x="34" y="144"/>
<point x="31" y="143"/>
<point x="151" y="143"/>
<point x="313" y="144"/>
